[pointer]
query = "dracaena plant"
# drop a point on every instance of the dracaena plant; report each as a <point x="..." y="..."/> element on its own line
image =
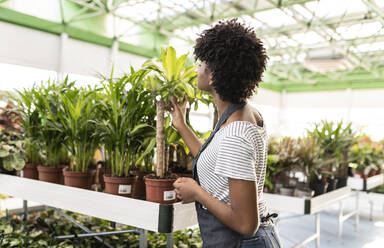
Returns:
<point x="126" y="126"/>
<point x="47" y="102"/>
<point x="78" y="110"/>
<point x="168" y="76"/>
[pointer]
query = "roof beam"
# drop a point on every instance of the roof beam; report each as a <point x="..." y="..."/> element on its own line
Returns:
<point x="373" y="6"/>
<point x="208" y="21"/>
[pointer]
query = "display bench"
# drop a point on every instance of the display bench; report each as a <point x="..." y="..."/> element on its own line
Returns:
<point x="144" y="215"/>
<point x="314" y="205"/>
<point x="365" y="185"/>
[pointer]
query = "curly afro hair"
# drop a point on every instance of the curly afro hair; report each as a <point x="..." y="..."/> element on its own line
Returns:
<point x="235" y="57"/>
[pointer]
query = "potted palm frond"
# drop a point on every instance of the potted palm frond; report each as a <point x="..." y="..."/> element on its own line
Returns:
<point x="169" y="78"/>
<point x="47" y="103"/>
<point x="122" y="125"/>
<point x="31" y="123"/>
<point x="78" y="110"/>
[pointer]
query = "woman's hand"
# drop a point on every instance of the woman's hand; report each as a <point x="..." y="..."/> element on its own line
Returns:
<point x="178" y="113"/>
<point x="186" y="189"/>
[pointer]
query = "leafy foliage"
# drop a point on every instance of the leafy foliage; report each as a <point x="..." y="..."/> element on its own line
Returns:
<point x="42" y="227"/>
<point x="126" y="125"/>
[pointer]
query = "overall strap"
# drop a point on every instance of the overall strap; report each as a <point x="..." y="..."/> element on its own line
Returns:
<point x="228" y="112"/>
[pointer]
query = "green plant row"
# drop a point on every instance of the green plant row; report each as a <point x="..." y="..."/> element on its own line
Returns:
<point x="64" y="124"/>
<point x="41" y="228"/>
<point x="326" y="151"/>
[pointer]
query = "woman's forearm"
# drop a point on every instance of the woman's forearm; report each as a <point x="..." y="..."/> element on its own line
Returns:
<point x="226" y="214"/>
<point x="190" y="139"/>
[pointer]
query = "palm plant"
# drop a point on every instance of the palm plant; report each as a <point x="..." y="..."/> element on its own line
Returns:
<point x="31" y="123"/>
<point x="47" y="102"/>
<point x="126" y="127"/>
<point x="77" y="112"/>
<point x="171" y="77"/>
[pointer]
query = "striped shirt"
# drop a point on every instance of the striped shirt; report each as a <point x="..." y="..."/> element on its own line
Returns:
<point x="238" y="150"/>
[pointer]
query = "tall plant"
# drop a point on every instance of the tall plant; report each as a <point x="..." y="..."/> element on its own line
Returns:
<point x="124" y="127"/>
<point x="76" y="116"/>
<point x="169" y="78"/>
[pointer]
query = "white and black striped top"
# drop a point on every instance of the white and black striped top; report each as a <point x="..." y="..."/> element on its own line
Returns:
<point x="238" y="150"/>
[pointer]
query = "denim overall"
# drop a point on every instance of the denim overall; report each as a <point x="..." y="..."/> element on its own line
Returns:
<point x="214" y="233"/>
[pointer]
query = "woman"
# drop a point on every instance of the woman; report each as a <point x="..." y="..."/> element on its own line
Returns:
<point x="229" y="168"/>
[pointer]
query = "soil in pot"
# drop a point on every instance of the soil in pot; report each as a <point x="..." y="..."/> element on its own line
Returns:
<point x="185" y="174"/>
<point x="341" y="182"/>
<point x="332" y="184"/>
<point x="160" y="190"/>
<point x="77" y="179"/>
<point x="121" y="186"/>
<point x="49" y="174"/>
<point x="30" y="171"/>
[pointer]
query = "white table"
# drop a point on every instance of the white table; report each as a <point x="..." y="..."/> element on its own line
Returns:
<point x="133" y="212"/>
<point x="366" y="184"/>
<point x="314" y="205"/>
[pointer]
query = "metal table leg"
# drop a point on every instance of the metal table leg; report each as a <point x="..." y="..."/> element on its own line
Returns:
<point x="143" y="238"/>
<point x="357" y="212"/>
<point x="169" y="240"/>
<point x="318" y="230"/>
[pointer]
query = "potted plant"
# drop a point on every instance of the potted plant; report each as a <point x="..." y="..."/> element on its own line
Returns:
<point x="76" y="116"/>
<point x="122" y="128"/>
<point x="335" y="140"/>
<point x="171" y="77"/>
<point x="31" y="124"/>
<point x="12" y="144"/>
<point x="366" y="157"/>
<point x="47" y="103"/>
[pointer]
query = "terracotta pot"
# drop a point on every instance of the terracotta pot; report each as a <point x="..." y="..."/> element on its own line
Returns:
<point x="30" y="171"/>
<point x="121" y="186"/>
<point x="49" y="174"/>
<point x="77" y="179"/>
<point x="184" y="175"/>
<point x="62" y="167"/>
<point x="138" y="188"/>
<point x="372" y="173"/>
<point x="102" y="172"/>
<point x="160" y="190"/>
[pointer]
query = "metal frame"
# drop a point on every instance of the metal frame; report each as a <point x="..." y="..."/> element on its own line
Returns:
<point x="141" y="214"/>
<point x="365" y="185"/>
<point x="304" y="206"/>
<point x="172" y="20"/>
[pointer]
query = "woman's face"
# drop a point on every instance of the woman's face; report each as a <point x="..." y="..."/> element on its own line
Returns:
<point x="204" y="77"/>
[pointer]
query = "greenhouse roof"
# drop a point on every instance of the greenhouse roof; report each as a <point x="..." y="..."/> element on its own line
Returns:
<point x="312" y="45"/>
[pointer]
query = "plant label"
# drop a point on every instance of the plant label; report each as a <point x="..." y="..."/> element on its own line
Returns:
<point x="124" y="189"/>
<point x="169" y="195"/>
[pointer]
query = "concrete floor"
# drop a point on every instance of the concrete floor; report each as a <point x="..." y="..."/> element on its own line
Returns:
<point x="294" y="229"/>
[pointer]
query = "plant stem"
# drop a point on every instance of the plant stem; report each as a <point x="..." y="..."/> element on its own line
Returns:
<point x="160" y="140"/>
